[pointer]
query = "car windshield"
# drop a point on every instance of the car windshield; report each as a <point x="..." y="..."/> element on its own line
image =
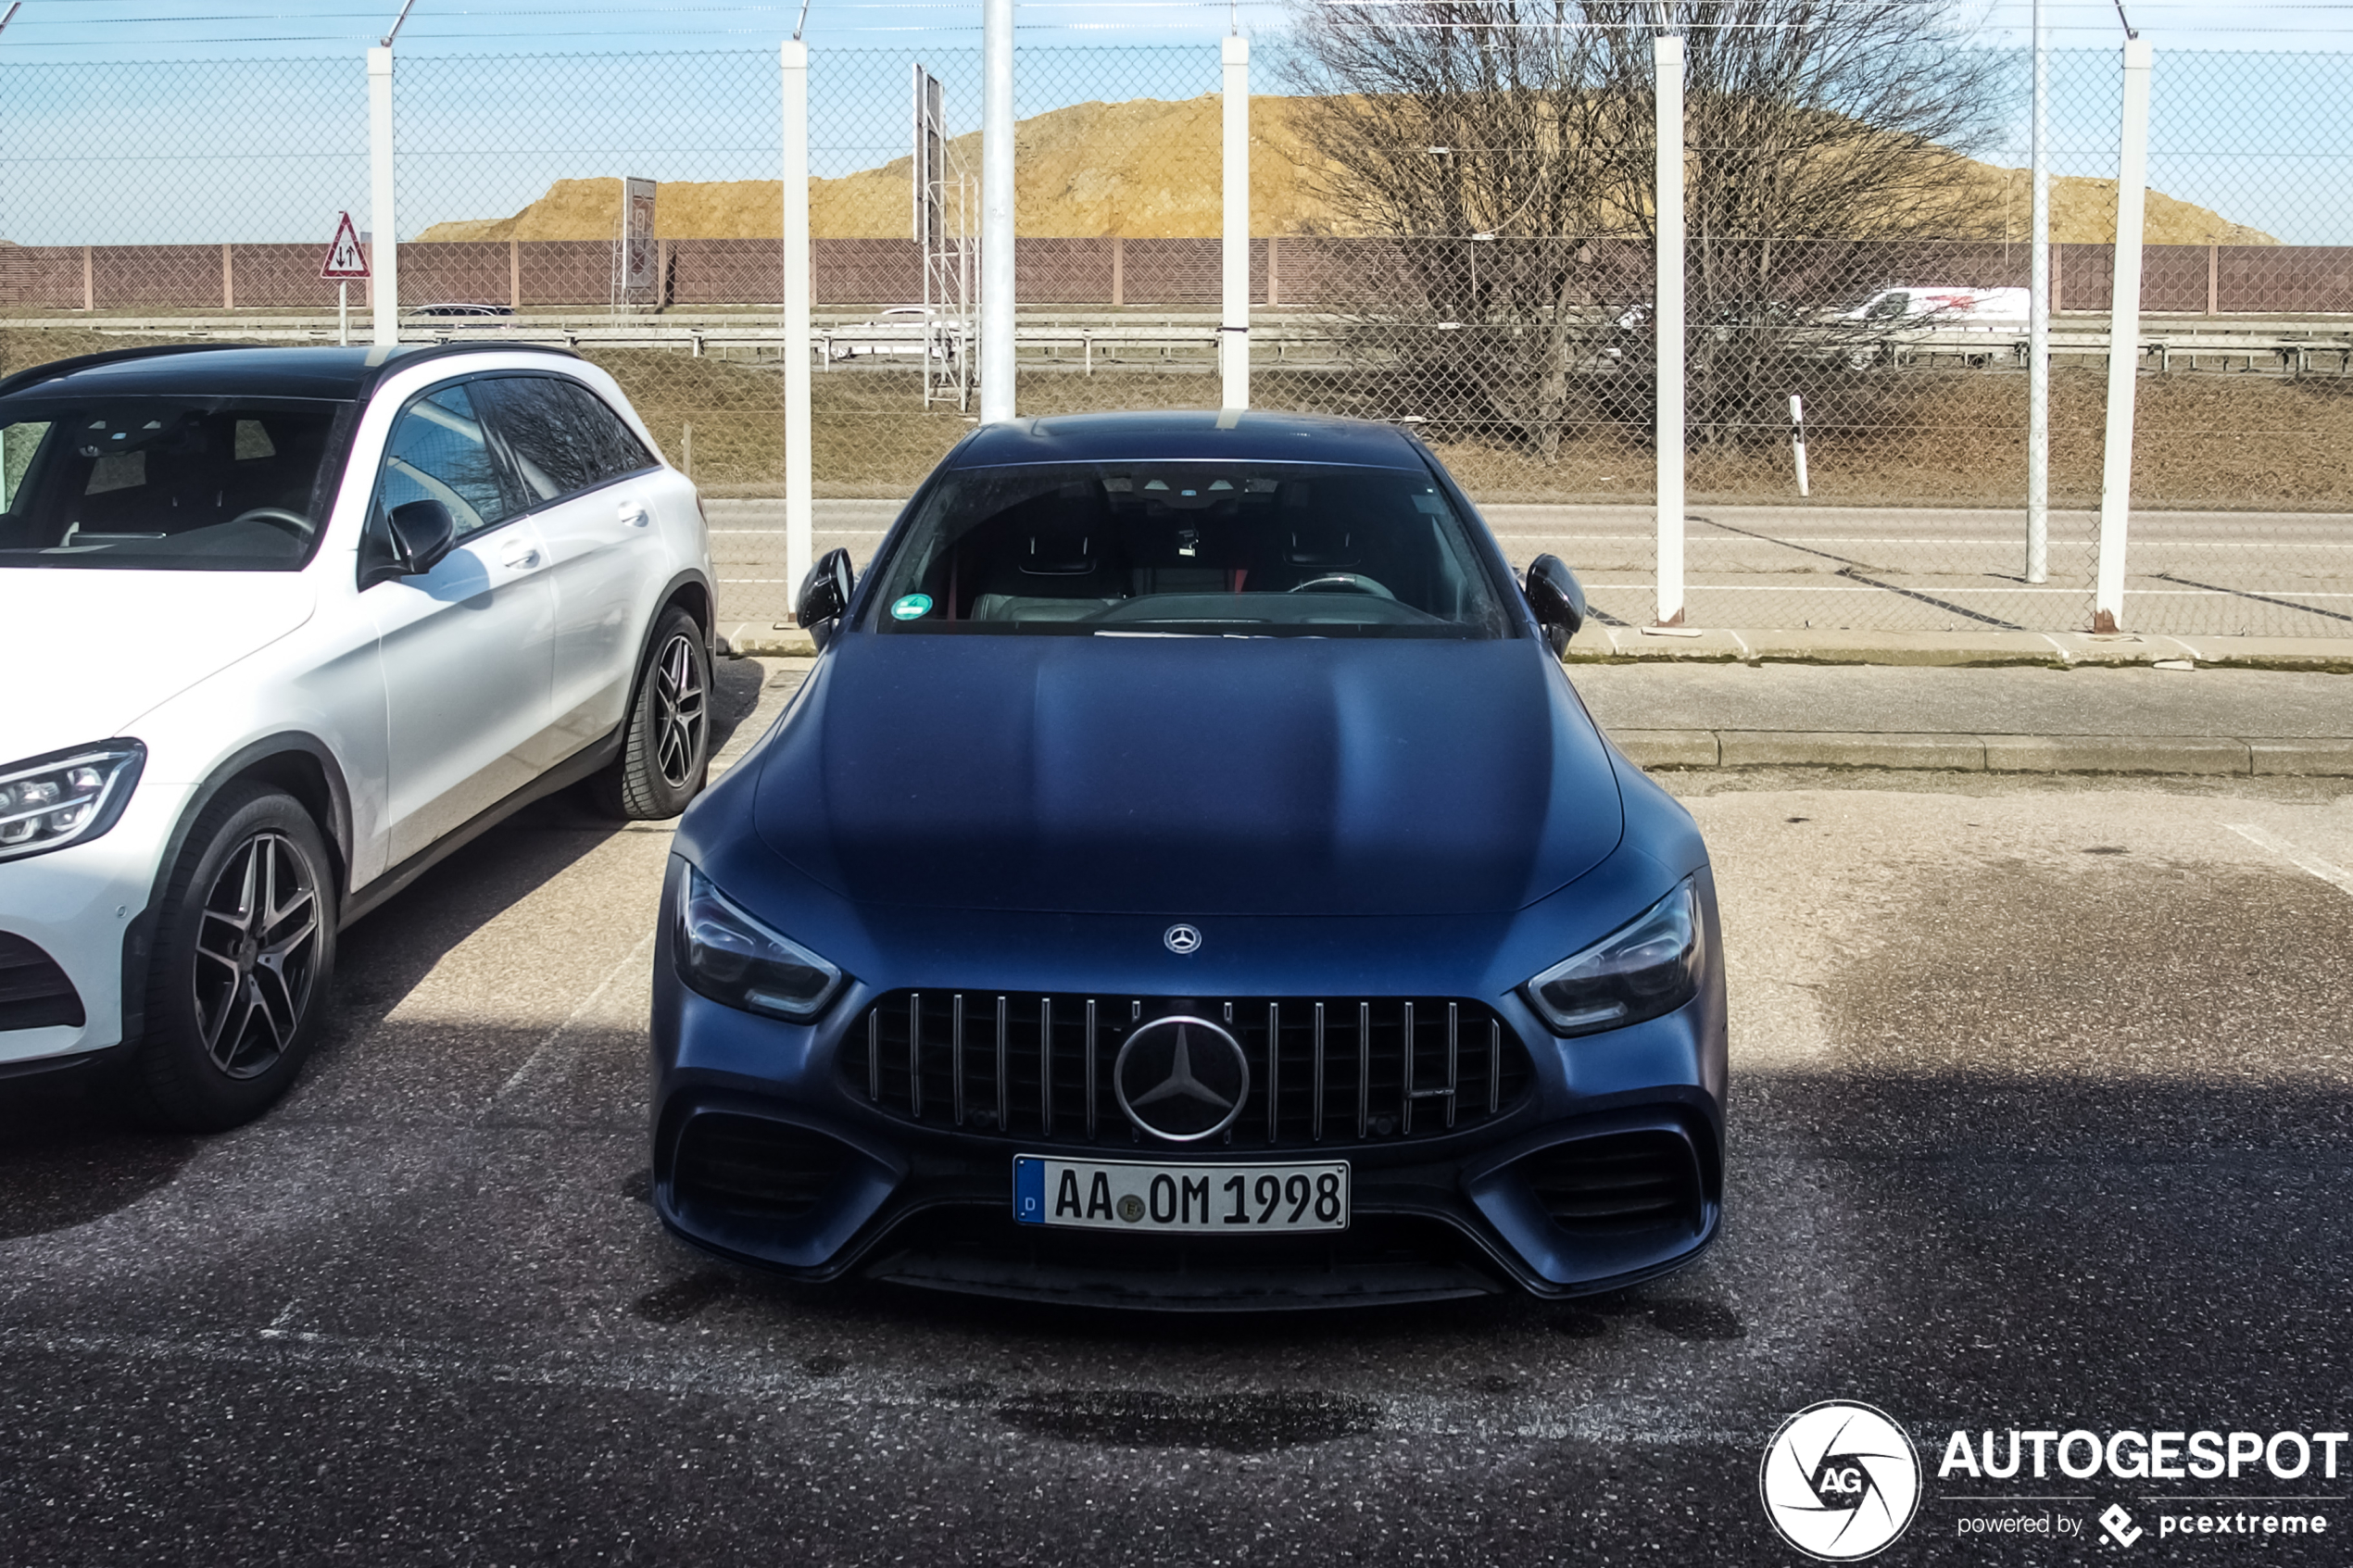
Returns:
<point x="164" y="483"/>
<point x="1177" y="548"/>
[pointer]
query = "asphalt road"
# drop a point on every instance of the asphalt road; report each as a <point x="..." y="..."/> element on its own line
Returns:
<point x="1867" y="567"/>
<point x="2043" y="1103"/>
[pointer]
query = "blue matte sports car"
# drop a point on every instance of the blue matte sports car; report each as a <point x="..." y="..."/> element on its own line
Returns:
<point x="1189" y="880"/>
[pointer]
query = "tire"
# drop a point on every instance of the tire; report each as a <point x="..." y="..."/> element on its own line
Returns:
<point x="665" y="757"/>
<point x="244" y="964"/>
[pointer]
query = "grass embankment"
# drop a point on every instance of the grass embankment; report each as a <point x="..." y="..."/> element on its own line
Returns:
<point x="1951" y="438"/>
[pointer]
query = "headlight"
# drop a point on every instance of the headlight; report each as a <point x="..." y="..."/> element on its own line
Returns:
<point x="731" y="958"/>
<point x="1641" y="970"/>
<point x="66" y="797"/>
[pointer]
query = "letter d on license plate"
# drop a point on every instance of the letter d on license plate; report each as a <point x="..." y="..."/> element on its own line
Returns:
<point x="1134" y="1195"/>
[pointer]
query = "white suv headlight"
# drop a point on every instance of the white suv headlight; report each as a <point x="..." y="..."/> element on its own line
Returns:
<point x="65" y="796"/>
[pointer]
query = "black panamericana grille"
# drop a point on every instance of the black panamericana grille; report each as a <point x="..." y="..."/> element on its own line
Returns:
<point x="34" y="992"/>
<point x="1039" y="1066"/>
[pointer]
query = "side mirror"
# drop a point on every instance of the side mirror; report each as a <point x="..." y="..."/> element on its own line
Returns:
<point x="1557" y="599"/>
<point x="423" y="532"/>
<point x="414" y="539"/>
<point x="824" y="595"/>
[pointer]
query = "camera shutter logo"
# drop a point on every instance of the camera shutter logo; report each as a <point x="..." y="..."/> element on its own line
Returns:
<point x="1839" y="1481"/>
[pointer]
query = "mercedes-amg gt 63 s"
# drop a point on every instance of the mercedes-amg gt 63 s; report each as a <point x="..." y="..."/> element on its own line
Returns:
<point x="1189" y="880"/>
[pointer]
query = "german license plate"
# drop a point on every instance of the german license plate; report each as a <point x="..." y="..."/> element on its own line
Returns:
<point x="1134" y="1195"/>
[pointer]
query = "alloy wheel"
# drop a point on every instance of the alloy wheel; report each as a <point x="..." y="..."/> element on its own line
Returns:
<point x="681" y="712"/>
<point x="258" y="946"/>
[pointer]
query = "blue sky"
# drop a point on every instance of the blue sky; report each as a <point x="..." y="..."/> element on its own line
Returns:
<point x="98" y="98"/>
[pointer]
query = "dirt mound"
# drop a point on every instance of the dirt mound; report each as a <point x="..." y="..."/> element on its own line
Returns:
<point x="1149" y="169"/>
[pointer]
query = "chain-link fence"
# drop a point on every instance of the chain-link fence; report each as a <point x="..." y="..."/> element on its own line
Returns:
<point x="1474" y="262"/>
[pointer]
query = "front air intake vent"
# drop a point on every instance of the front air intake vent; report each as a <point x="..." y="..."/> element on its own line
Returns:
<point x="1322" y="1071"/>
<point x="1617" y="1184"/>
<point x="34" y="992"/>
<point x="755" y="1168"/>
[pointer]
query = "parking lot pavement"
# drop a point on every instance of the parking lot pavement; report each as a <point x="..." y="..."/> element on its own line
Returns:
<point x="2044" y="1098"/>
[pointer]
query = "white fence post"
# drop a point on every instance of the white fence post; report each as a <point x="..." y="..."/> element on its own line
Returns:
<point x="800" y="510"/>
<point x="1667" y="319"/>
<point x="1233" y="335"/>
<point x="2038" y="318"/>
<point x="383" y="261"/>
<point x="2123" y="340"/>
<point x="996" y="210"/>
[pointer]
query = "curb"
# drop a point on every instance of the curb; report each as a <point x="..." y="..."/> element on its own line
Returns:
<point x="1655" y="750"/>
<point x="760" y="639"/>
<point x="1597" y="644"/>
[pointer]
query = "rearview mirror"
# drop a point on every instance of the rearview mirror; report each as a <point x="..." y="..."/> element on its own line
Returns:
<point x="1558" y="600"/>
<point x="824" y="595"/>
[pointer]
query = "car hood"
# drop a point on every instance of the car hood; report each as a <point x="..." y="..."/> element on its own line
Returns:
<point x="93" y="651"/>
<point x="1189" y="775"/>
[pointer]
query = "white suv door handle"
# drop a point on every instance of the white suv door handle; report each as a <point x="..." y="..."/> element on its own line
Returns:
<point x="633" y="513"/>
<point x="520" y="553"/>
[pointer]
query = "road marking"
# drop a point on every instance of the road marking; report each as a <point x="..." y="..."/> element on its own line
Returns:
<point x="2327" y="870"/>
<point x="544" y="1059"/>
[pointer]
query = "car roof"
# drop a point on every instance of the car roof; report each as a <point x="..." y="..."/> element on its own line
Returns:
<point x="1161" y="435"/>
<point x="204" y="369"/>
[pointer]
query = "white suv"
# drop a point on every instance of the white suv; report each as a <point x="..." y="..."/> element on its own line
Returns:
<point x="284" y="627"/>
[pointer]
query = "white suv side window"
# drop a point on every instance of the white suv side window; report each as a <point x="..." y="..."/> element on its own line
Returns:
<point x="438" y="452"/>
<point x="560" y="434"/>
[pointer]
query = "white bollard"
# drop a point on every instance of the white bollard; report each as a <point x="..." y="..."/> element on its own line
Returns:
<point x="1798" y="439"/>
<point x="2123" y="341"/>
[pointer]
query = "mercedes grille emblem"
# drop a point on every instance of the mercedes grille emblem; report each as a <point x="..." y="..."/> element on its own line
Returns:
<point x="1183" y="1079"/>
<point x="1181" y="939"/>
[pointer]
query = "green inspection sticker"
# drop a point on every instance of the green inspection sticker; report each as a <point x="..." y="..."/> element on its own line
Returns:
<point x="913" y="606"/>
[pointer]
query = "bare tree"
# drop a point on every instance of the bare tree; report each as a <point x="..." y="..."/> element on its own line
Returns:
<point x="1506" y="150"/>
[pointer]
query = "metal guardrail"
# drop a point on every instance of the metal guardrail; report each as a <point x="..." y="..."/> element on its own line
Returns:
<point x="1078" y="339"/>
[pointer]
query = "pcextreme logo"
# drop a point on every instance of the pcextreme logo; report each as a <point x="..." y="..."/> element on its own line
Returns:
<point x="1841" y="1481"/>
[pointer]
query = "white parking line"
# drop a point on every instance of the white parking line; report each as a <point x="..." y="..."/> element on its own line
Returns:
<point x="2327" y="870"/>
<point x="544" y="1057"/>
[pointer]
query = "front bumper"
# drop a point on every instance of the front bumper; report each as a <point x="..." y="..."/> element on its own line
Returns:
<point x="769" y="1149"/>
<point x="79" y="906"/>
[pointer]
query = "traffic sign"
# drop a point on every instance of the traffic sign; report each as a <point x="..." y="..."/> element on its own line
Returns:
<point x="344" y="258"/>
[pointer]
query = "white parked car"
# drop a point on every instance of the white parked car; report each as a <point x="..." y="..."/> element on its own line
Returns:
<point x="286" y="626"/>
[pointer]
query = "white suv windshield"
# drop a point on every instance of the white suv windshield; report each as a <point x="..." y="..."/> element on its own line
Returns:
<point x="164" y="483"/>
<point x="1249" y="549"/>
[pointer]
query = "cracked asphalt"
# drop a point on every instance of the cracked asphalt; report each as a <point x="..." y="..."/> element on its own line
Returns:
<point x="2044" y="1100"/>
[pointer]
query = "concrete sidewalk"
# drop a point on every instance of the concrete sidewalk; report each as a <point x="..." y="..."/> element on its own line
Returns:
<point x="2005" y="719"/>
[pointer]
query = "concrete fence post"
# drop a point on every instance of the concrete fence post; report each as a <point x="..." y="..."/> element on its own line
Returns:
<point x="2042" y="293"/>
<point x="799" y="469"/>
<point x="996" y="284"/>
<point x="1233" y="335"/>
<point x="384" y="261"/>
<point x="2123" y="340"/>
<point x="1667" y="319"/>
